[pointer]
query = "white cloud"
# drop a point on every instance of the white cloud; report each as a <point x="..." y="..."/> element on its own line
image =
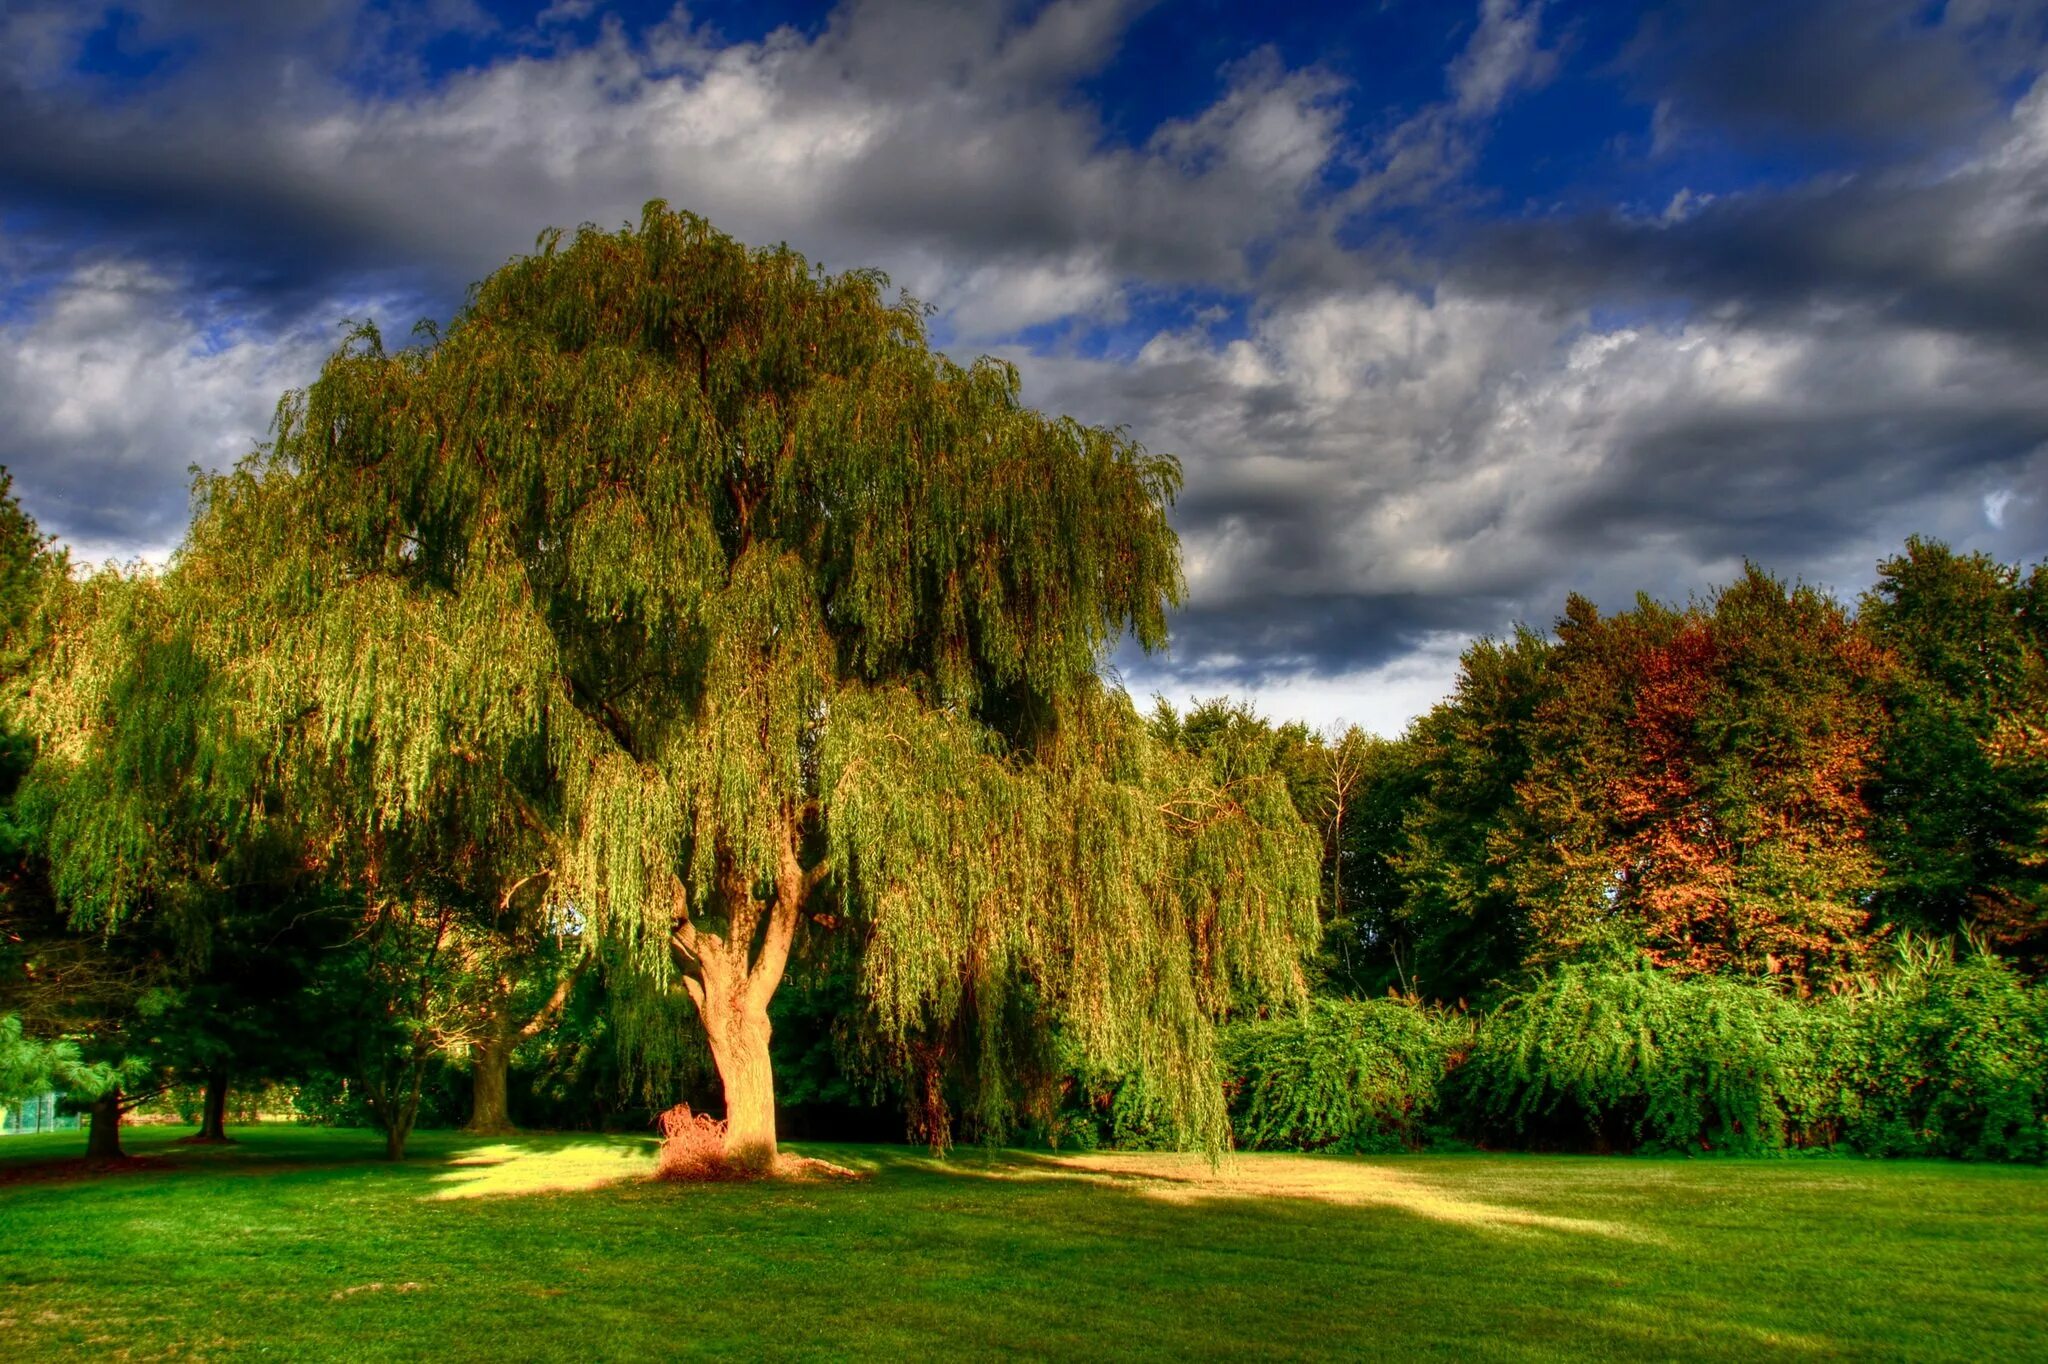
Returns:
<point x="1381" y="700"/>
<point x="942" y="143"/>
<point x="113" y="389"/>
<point x="1401" y="467"/>
<point x="1502" y="56"/>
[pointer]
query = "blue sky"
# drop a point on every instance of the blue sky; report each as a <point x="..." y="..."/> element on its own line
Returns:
<point x="1448" y="308"/>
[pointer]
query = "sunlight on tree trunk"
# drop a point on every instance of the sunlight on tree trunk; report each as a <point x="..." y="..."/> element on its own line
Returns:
<point x="731" y="989"/>
<point x="739" y="1046"/>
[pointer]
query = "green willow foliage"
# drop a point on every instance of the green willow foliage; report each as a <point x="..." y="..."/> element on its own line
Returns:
<point x="689" y="586"/>
<point x="1939" y="1055"/>
<point x="1347" y="1075"/>
<point x="1950" y="1058"/>
<point x="1642" y="1057"/>
<point x="140" y="798"/>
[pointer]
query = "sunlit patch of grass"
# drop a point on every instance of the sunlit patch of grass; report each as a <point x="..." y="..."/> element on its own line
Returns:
<point x="510" y="1168"/>
<point x="1183" y="1178"/>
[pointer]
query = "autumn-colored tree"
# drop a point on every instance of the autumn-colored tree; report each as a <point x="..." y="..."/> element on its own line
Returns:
<point x="1610" y="758"/>
<point x="687" y="586"/>
<point x="1699" y="789"/>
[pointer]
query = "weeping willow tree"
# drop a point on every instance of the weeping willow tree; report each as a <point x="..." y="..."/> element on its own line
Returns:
<point x="691" y="585"/>
<point x="130" y="809"/>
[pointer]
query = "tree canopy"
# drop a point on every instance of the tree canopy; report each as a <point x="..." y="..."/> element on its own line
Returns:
<point x="688" y="586"/>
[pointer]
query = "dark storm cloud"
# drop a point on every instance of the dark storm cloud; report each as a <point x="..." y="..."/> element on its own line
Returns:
<point x="1809" y="478"/>
<point x="228" y="216"/>
<point x="1875" y="73"/>
<point x="1254" y="643"/>
<point x="1964" y="250"/>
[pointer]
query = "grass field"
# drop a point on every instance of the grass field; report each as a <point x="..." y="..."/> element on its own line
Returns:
<point x="296" y="1243"/>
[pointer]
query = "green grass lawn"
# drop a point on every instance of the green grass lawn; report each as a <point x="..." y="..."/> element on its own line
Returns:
<point x="298" y="1243"/>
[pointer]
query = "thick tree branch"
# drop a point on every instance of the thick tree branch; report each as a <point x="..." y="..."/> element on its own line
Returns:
<point x="565" y="987"/>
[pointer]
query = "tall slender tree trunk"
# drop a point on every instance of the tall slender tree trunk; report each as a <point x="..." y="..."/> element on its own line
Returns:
<point x="213" y="1115"/>
<point x="103" y="1137"/>
<point x="397" y="1118"/>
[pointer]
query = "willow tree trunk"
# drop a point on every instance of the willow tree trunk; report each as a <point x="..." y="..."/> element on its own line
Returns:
<point x="103" y="1137"/>
<point x="213" y="1115"/>
<point x="739" y="1047"/>
<point x="732" y="985"/>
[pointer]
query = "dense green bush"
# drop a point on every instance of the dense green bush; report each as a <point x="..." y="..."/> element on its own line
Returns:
<point x="1349" y="1075"/>
<point x="1950" y="1058"/>
<point x="1617" y="1059"/>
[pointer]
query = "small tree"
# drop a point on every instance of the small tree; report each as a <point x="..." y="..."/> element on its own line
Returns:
<point x="740" y="613"/>
<point x="527" y="968"/>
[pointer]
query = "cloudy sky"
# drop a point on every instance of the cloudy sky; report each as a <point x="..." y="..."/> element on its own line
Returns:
<point x="1449" y="307"/>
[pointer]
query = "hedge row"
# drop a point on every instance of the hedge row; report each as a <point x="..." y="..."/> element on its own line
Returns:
<point x="1945" y="1056"/>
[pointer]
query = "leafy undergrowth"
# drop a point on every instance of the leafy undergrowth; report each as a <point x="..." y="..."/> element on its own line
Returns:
<point x="299" y="1243"/>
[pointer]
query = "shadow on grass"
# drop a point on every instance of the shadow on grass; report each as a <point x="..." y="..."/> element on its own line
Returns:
<point x="468" y="1166"/>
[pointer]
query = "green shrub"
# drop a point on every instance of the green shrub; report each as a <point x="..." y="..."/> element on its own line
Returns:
<point x="1951" y="1060"/>
<point x="1617" y="1059"/>
<point x="1349" y="1075"/>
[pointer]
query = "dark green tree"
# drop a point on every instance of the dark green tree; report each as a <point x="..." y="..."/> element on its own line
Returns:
<point x="1466" y="925"/>
<point x="1369" y="946"/>
<point x="1958" y="801"/>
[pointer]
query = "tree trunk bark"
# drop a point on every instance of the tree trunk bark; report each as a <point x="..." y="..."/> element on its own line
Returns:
<point x="394" y="1141"/>
<point x="488" y="1115"/>
<point x="213" y="1117"/>
<point x="103" y="1138"/>
<point x="731" y="987"/>
<point x="739" y="1047"/>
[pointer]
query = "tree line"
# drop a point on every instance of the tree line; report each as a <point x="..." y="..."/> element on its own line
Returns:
<point x="1763" y="783"/>
<point x="676" y="677"/>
